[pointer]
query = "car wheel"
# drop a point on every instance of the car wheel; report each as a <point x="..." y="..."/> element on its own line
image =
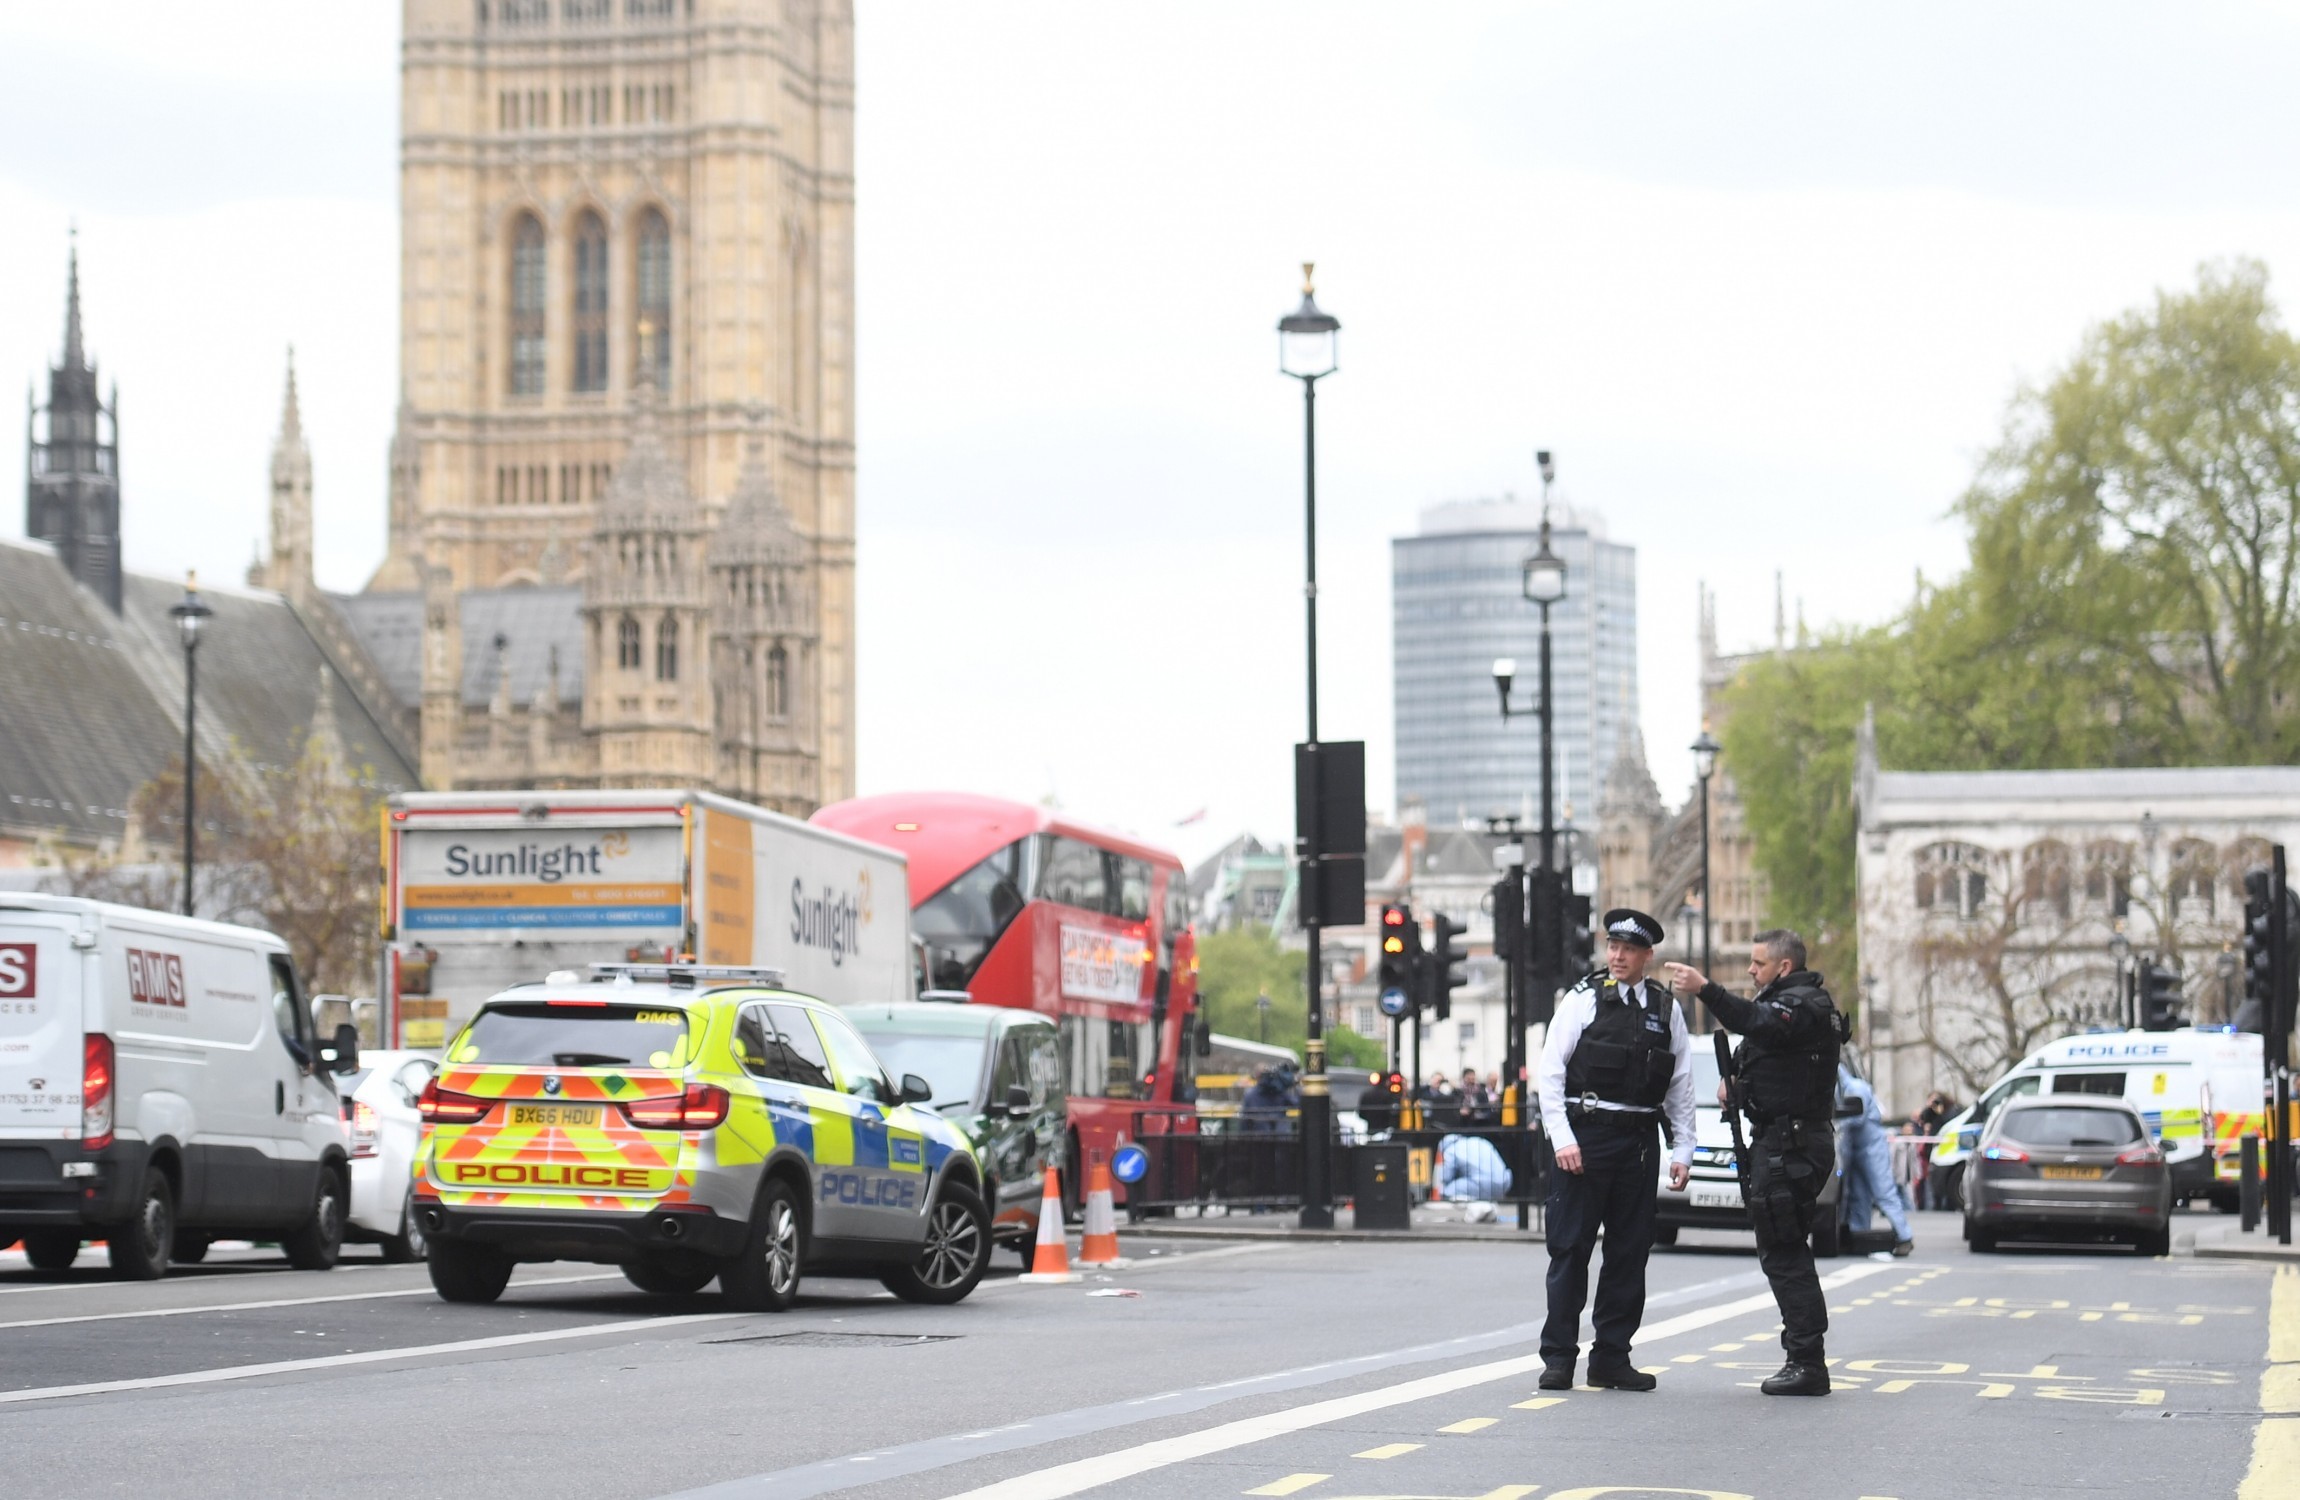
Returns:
<point x="2223" y="1202"/>
<point x="1950" y="1193"/>
<point x="765" y="1276"/>
<point x="190" y="1249"/>
<point x="1828" y="1237"/>
<point x="1982" y="1241"/>
<point x="410" y="1243"/>
<point x="2155" y="1242"/>
<point x="315" y="1245"/>
<point x="139" y="1248"/>
<point x="956" y="1253"/>
<point x="1664" y="1234"/>
<point x="468" y="1273"/>
<point x="668" y="1280"/>
<point x="1026" y="1250"/>
<point x="51" y="1249"/>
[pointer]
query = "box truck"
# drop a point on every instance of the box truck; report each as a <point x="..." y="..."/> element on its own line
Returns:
<point x="484" y="890"/>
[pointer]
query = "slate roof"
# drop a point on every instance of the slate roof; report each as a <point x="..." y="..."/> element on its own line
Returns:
<point x="533" y="620"/>
<point x="2137" y="784"/>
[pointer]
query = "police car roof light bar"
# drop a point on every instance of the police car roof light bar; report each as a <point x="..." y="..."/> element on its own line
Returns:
<point x="688" y="976"/>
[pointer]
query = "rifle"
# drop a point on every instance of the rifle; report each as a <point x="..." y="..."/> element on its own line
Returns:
<point x="1774" y="1212"/>
<point x="1725" y="1070"/>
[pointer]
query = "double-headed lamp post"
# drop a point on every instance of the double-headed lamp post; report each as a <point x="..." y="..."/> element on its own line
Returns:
<point x="1309" y="350"/>
<point x="1705" y="766"/>
<point x="190" y="614"/>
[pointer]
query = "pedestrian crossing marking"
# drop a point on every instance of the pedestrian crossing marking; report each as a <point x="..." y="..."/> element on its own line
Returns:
<point x="1388" y="1450"/>
<point x="1291" y="1484"/>
<point x="1470" y="1424"/>
<point x="1538" y="1403"/>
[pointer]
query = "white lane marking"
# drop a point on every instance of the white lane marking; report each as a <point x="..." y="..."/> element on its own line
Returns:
<point x="102" y="1283"/>
<point x="369" y="1357"/>
<point x="1108" y="1468"/>
<point x="217" y="1307"/>
<point x="1179" y="1262"/>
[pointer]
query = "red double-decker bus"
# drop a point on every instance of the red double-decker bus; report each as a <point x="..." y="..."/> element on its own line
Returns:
<point x="1017" y="905"/>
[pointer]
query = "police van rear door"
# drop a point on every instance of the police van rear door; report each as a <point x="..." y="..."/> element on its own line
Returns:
<point x="41" y="1037"/>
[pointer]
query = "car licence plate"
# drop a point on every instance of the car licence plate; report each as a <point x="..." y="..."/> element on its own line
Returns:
<point x="2071" y="1174"/>
<point x="1722" y="1195"/>
<point x="554" y="1114"/>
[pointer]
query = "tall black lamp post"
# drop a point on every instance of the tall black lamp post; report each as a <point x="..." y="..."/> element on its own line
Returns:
<point x="190" y="614"/>
<point x="1705" y="766"/>
<point x="1309" y="350"/>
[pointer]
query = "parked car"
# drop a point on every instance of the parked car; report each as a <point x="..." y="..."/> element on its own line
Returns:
<point x="380" y="1115"/>
<point x="2068" y="1166"/>
<point x="996" y="1073"/>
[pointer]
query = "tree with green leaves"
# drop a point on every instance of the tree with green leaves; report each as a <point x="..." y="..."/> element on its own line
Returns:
<point x="1237" y="967"/>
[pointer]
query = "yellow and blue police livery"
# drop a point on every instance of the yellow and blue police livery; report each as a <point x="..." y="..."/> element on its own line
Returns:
<point x="689" y="1123"/>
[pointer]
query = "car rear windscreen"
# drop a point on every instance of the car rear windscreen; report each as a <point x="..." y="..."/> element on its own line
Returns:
<point x="2074" y="1128"/>
<point x="539" y="1035"/>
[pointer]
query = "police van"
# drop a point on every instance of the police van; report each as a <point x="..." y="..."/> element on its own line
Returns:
<point x="690" y="1122"/>
<point x="2200" y="1093"/>
<point x="161" y="1087"/>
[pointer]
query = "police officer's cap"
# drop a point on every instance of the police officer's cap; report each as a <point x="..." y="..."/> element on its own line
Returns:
<point x="1633" y="927"/>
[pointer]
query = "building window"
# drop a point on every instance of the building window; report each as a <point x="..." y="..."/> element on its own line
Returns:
<point x="654" y="328"/>
<point x="2045" y="882"/>
<point x="590" y="324"/>
<point x="667" y="650"/>
<point x="778" y="684"/>
<point x="2193" y="876"/>
<point x="2108" y="877"/>
<point x="627" y="650"/>
<point x="1952" y="878"/>
<point x="527" y="307"/>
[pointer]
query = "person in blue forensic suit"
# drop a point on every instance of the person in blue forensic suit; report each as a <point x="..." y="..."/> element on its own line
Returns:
<point x="1868" y="1157"/>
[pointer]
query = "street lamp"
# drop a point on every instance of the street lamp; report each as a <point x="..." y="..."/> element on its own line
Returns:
<point x="2120" y="950"/>
<point x="1705" y="766"/>
<point x="1309" y="350"/>
<point x="190" y="614"/>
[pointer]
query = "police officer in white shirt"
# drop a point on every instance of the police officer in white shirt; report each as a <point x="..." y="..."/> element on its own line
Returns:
<point x="1616" y="1065"/>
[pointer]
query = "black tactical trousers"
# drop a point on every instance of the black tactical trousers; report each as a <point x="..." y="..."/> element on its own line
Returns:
<point x="1798" y="1159"/>
<point x="1615" y="1189"/>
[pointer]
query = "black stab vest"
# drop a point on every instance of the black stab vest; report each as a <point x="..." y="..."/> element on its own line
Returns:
<point x="1620" y="1058"/>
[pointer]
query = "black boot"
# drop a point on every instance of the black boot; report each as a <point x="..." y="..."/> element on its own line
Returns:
<point x="1799" y="1379"/>
<point x="1622" y="1378"/>
<point x="1556" y="1375"/>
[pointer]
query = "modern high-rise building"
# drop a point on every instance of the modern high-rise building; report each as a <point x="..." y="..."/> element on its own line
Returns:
<point x="1457" y="604"/>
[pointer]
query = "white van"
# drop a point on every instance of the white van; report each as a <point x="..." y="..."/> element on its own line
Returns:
<point x="2199" y="1091"/>
<point x="161" y="1087"/>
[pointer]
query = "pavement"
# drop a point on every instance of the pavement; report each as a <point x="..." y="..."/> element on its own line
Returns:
<point x="2223" y="1237"/>
<point x="1323" y="1368"/>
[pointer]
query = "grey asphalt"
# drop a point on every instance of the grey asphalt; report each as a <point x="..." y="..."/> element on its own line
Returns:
<point x="2033" y="1373"/>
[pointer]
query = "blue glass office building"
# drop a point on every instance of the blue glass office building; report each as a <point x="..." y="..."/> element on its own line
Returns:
<point x="1457" y="603"/>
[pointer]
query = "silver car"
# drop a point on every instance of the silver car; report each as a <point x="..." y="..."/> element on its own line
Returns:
<point x="2068" y="1166"/>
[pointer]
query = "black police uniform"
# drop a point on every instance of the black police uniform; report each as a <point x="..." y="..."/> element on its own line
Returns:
<point x="1788" y="1074"/>
<point x="1622" y="1057"/>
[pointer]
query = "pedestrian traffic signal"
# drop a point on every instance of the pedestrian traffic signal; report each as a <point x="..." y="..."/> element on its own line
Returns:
<point x="2159" y="997"/>
<point x="1448" y="964"/>
<point x="1401" y="942"/>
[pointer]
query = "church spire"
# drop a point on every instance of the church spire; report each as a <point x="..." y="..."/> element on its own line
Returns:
<point x="72" y="490"/>
<point x="75" y="353"/>
<point x="290" y="569"/>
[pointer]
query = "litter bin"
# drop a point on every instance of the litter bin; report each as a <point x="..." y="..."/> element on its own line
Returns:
<point x="1378" y="1173"/>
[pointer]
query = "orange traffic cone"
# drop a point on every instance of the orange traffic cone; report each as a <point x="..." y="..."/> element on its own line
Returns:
<point x="1050" y="1262"/>
<point x="1100" y="1246"/>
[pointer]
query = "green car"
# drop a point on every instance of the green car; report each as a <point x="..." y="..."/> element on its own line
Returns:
<point x="995" y="1073"/>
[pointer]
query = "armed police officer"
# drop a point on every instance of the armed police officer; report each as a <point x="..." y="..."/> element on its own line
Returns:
<point x="1785" y="1082"/>
<point x="1615" y="1069"/>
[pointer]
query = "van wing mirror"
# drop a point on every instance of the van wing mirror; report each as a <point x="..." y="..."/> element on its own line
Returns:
<point x="1017" y="1100"/>
<point x="342" y="1054"/>
<point x="916" y="1090"/>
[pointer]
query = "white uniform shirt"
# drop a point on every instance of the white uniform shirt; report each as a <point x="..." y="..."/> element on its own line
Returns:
<point x="1574" y="1012"/>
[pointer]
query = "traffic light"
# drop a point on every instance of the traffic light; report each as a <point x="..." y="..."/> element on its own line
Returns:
<point x="2259" y="941"/>
<point x="1447" y="963"/>
<point x="2159" y="997"/>
<point x="1508" y="899"/>
<point x="1544" y="943"/>
<point x="1401" y="944"/>
<point x="1580" y="938"/>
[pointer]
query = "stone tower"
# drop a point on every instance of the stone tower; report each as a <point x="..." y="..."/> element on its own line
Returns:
<point x="289" y="570"/>
<point x="594" y="193"/>
<point x="646" y="621"/>
<point x="72" y="463"/>
<point x="763" y="645"/>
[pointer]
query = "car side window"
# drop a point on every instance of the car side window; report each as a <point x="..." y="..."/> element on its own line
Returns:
<point x="288" y="1011"/>
<point x="800" y="1052"/>
<point x="755" y="1047"/>
<point x="858" y="1067"/>
<point x="1045" y="1064"/>
<point x="1012" y="1068"/>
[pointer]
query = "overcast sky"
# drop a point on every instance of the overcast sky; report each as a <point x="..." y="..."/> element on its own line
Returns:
<point x="1763" y="276"/>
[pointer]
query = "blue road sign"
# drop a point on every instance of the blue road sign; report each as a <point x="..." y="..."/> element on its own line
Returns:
<point x="1129" y="1162"/>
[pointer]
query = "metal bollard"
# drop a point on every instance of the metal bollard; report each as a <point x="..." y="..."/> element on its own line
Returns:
<point x="2248" y="1181"/>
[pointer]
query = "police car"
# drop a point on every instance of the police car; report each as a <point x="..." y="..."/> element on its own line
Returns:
<point x="689" y="1122"/>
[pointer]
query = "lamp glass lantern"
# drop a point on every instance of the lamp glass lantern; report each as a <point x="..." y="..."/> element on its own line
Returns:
<point x="1544" y="574"/>
<point x="1309" y="338"/>
<point x="1705" y="755"/>
<point x="190" y="614"/>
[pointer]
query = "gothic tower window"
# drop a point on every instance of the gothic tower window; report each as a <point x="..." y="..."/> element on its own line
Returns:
<point x="590" y="303"/>
<point x="778" y="684"/>
<point x="527" y="307"/>
<point x="627" y="648"/>
<point x="654" y="330"/>
<point x="667" y="650"/>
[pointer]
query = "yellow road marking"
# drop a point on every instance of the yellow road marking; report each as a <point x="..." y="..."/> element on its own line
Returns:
<point x="1470" y="1424"/>
<point x="1687" y="1359"/>
<point x="1290" y="1484"/>
<point x="1388" y="1450"/>
<point x="2275" y="1470"/>
<point x="1538" y="1403"/>
<point x="1724" y="1348"/>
